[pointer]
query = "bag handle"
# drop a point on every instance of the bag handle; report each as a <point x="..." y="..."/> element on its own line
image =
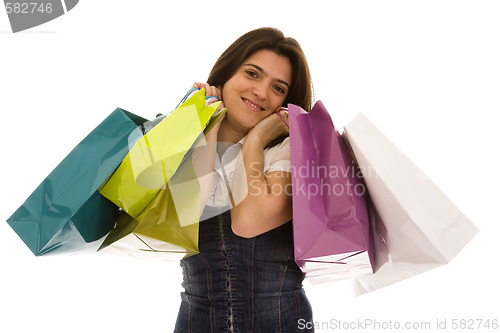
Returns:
<point x="190" y="91"/>
<point x="148" y="125"/>
<point x="278" y="112"/>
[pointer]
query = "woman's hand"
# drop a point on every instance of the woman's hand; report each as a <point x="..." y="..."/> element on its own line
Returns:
<point x="210" y="91"/>
<point x="211" y="137"/>
<point x="269" y="128"/>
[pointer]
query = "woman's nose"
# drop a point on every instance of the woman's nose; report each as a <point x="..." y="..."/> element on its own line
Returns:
<point x="260" y="90"/>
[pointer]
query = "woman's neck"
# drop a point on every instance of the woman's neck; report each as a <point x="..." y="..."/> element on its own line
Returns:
<point x="229" y="134"/>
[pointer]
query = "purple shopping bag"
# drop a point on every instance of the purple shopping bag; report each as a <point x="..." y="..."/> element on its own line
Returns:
<point x="332" y="236"/>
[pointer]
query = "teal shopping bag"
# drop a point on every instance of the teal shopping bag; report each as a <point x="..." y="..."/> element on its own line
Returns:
<point x="67" y="208"/>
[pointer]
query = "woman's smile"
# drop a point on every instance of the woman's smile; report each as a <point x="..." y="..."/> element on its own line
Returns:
<point x="252" y="105"/>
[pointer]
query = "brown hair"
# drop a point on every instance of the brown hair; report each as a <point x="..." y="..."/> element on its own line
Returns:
<point x="301" y="91"/>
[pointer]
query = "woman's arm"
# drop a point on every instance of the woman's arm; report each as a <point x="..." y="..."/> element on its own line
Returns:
<point x="204" y="153"/>
<point x="268" y="201"/>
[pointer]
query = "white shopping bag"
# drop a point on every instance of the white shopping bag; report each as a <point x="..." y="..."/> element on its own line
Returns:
<point x="416" y="227"/>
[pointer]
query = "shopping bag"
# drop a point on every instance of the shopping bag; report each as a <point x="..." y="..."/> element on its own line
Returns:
<point x="167" y="224"/>
<point x="332" y="238"/>
<point x="416" y="227"/>
<point x="155" y="157"/>
<point x="158" y="232"/>
<point x="66" y="208"/>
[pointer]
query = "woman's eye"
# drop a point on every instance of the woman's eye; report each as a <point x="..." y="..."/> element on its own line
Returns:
<point x="251" y="73"/>
<point x="279" y="89"/>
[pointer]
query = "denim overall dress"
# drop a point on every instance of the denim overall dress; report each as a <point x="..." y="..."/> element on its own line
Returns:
<point x="238" y="284"/>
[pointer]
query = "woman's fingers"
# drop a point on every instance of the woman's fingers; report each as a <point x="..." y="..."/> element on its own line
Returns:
<point x="198" y="85"/>
<point x="209" y="90"/>
<point x="212" y="91"/>
<point x="282" y="112"/>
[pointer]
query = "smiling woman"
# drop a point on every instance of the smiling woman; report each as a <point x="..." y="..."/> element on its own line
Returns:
<point x="245" y="278"/>
<point x="254" y="92"/>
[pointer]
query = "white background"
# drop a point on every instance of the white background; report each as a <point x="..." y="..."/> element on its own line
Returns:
<point x="427" y="73"/>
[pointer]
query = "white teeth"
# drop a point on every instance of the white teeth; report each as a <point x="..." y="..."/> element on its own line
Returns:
<point x="253" y="105"/>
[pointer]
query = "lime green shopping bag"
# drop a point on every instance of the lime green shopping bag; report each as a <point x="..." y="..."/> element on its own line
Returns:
<point x="155" y="157"/>
<point x="159" y="232"/>
<point x="157" y="185"/>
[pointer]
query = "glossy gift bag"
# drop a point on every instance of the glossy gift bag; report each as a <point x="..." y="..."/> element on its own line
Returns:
<point x="332" y="236"/>
<point x="416" y="227"/>
<point x="155" y="157"/>
<point x="157" y="185"/>
<point x="66" y="210"/>
<point x="162" y="231"/>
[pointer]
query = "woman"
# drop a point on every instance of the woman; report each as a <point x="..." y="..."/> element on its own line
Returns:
<point x="245" y="278"/>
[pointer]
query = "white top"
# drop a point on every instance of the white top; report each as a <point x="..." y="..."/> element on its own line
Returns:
<point x="276" y="158"/>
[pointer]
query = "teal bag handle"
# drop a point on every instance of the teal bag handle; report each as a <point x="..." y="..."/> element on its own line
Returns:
<point x="190" y="91"/>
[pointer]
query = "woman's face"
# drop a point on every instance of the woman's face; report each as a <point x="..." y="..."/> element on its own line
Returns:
<point x="258" y="88"/>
